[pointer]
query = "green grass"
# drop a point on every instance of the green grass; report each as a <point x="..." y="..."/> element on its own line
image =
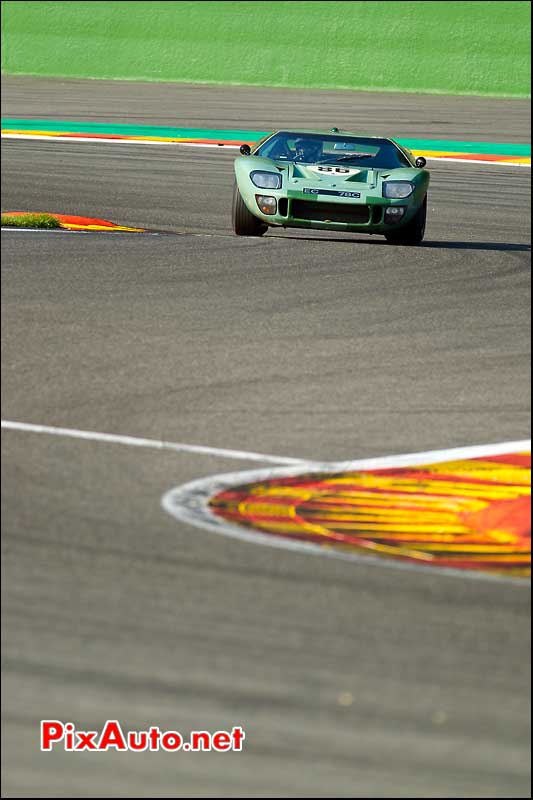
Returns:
<point x="30" y="221"/>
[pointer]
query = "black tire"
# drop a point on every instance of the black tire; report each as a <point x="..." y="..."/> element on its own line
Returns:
<point x="413" y="232"/>
<point x="244" y="223"/>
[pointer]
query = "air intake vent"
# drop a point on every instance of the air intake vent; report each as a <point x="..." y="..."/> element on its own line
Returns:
<point x="331" y="212"/>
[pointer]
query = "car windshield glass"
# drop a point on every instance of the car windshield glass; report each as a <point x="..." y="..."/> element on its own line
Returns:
<point x="313" y="148"/>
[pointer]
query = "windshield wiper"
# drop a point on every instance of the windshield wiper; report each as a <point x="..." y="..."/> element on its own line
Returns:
<point x="355" y="155"/>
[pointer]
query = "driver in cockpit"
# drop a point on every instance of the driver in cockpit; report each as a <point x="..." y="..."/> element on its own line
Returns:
<point x="308" y="150"/>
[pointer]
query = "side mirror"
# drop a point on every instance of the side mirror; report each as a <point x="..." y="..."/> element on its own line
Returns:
<point x="420" y="162"/>
<point x="245" y="150"/>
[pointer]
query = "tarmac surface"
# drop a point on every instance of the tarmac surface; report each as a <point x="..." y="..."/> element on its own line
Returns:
<point x="348" y="681"/>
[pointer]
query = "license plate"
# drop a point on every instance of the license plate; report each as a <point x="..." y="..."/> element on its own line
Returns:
<point x="332" y="192"/>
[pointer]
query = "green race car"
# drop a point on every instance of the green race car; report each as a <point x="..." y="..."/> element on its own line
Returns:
<point x="331" y="181"/>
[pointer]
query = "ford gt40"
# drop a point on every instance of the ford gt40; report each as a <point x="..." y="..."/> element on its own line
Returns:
<point x="331" y="180"/>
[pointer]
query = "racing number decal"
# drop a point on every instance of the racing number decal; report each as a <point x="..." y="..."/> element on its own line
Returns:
<point x="338" y="170"/>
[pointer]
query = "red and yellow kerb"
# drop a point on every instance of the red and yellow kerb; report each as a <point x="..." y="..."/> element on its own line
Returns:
<point x="473" y="514"/>
<point x="76" y="223"/>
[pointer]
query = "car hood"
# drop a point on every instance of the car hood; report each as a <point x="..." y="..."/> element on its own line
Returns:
<point x="334" y="174"/>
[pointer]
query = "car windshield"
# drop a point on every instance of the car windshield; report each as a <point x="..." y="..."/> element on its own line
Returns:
<point x="313" y="148"/>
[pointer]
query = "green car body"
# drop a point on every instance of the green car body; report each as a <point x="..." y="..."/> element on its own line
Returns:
<point x="331" y="180"/>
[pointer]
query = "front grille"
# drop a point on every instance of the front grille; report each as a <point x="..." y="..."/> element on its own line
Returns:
<point x="332" y="212"/>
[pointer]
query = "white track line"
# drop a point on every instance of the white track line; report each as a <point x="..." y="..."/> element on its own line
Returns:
<point x="134" y="441"/>
<point x="42" y="230"/>
<point x="66" y="230"/>
<point x="231" y="146"/>
<point x="110" y="141"/>
<point x="380" y="462"/>
<point x="477" y="161"/>
<point x="436" y="456"/>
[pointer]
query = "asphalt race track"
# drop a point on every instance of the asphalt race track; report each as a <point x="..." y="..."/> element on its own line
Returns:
<point x="349" y="681"/>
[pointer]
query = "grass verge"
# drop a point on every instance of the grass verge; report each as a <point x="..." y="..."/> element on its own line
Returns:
<point x="30" y="221"/>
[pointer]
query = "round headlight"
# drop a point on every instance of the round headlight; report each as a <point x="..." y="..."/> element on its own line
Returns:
<point x="266" y="180"/>
<point x="397" y="189"/>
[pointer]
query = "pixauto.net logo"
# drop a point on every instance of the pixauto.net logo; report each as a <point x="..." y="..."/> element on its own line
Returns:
<point x="65" y="736"/>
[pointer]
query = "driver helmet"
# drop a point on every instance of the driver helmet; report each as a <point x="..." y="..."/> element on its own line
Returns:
<point x="308" y="149"/>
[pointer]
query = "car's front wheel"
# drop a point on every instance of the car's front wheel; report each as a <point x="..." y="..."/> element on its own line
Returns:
<point x="244" y="223"/>
<point x="413" y="232"/>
